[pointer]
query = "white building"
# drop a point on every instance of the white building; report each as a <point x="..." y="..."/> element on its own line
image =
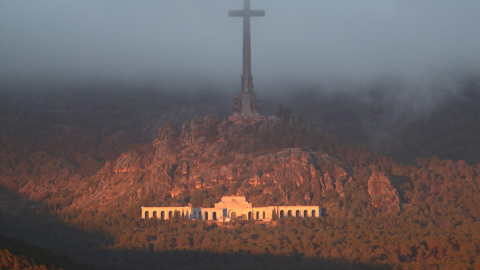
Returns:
<point x="231" y="207"/>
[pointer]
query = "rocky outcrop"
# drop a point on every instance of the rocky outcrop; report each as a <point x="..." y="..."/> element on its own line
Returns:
<point x="334" y="181"/>
<point x="185" y="161"/>
<point x="200" y="157"/>
<point x="200" y="130"/>
<point x="382" y="192"/>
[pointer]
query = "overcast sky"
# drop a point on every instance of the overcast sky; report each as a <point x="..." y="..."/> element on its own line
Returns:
<point x="306" y="41"/>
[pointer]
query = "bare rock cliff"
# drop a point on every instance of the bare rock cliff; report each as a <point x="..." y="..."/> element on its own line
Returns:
<point x="382" y="192"/>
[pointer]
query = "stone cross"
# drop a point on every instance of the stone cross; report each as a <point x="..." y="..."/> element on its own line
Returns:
<point x="246" y="103"/>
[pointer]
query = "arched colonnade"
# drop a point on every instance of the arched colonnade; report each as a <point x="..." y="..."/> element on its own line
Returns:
<point x="215" y="214"/>
<point x="166" y="213"/>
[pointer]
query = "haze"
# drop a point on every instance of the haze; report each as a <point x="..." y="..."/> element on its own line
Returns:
<point x="195" y="42"/>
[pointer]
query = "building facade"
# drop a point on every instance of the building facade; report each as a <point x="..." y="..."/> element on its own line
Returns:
<point x="231" y="207"/>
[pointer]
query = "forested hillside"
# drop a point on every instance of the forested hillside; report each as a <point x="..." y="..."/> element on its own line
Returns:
<point x="76" y="166"/>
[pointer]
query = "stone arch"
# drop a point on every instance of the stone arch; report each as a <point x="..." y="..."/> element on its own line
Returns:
<point x="249" y="215"/>
<point x="258" y="215"/>
<point x="214" y="216"/>
<point x="289" y="213"/>
<point x="154" y="214"/>
<point x="233" y="215"/>
<point x="305" y="213"/>
<point x="146" y="214"/>
<point x="206" y="215"/>
<point x="263" y="214"/>
<point x="176" y="214"/>
<point x="162" y="215"/>
<point x="282" y="214"/>
<point x="313" y="213"/>
<point x="297" y="213"/>
<point x="170" y="214"/>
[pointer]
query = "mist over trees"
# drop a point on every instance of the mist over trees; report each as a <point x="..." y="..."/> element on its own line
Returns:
<point x="389" y="115"/>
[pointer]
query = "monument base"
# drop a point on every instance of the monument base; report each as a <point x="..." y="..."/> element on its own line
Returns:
<point x="249" y="120"/>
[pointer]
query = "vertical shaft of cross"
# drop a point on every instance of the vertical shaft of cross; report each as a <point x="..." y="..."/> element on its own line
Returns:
<point x="246" y="103"/>
<point x="247" y="78"/>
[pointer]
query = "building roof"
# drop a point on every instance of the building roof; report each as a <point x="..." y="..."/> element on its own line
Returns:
<point x="233" y="201"/>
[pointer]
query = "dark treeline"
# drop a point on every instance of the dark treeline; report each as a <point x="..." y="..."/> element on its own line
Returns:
<point x="16" y="254"/>
<point x="86" y="125"/>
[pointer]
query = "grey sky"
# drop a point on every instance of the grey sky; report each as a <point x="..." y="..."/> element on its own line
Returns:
<point x="179" y="41"/>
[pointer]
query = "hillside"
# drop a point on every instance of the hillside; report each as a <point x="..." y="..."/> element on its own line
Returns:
<point x="88" y="170"/>
<point x="273" y="162"/>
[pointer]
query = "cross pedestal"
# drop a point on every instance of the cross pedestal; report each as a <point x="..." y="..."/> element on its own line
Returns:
<point x="246" y="104"/>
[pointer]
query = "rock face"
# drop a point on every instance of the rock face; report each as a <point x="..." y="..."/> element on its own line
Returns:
<point x="382" y="192"/>
<point x="179" y="163"/>
<point x="198" y="158"/>
<point x="334" y="181"/>
<point x="207" y="156"/>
